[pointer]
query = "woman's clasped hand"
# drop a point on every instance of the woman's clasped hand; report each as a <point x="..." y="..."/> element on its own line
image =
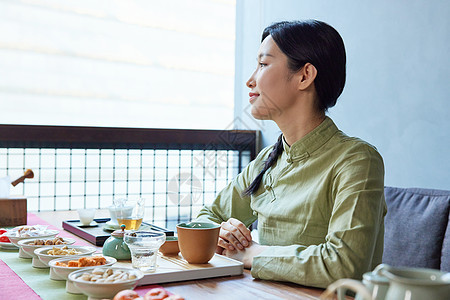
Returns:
<point x="235" y="241"/>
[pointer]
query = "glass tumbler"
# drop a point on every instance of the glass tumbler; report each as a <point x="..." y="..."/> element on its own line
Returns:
<point x="144" y="246"/>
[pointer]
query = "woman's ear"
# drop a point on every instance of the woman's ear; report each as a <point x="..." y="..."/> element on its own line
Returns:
<point x="307" y="75"/>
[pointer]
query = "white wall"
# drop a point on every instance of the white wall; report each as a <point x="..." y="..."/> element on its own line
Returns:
<point x="398" y="72"/>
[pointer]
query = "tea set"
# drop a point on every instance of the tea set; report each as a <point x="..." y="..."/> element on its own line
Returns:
<point x="192" y="237"/>
<point x="394" y="283"/>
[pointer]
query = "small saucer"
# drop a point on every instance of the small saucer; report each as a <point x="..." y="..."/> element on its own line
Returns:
<point x="111" y="226"/>
<point x="92" y="224"/>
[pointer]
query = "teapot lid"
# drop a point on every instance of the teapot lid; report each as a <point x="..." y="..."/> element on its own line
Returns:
<point x="119" y="233"/>
<point x="375" y="278"/>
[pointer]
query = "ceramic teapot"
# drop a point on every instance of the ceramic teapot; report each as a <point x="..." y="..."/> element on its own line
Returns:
<point x="115" y="246"/>
<point x="392" y="283"/>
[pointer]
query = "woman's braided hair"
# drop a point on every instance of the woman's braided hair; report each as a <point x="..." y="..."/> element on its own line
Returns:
<point x="273" y="156"/>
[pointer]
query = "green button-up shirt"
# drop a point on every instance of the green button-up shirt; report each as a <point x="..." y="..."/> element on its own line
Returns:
<point x="320" y="207"/>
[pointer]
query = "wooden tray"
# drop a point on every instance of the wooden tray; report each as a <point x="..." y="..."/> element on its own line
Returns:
<point x="175" y="268"/>
<point x="96" y="235"/>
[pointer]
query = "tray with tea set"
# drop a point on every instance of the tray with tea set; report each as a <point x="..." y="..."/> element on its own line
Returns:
<point x="99" y="230"/>
<point x="175" y="268"/>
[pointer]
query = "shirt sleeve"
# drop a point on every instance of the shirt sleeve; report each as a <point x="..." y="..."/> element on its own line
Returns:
<point x="354" y="230"/>
<point x="229" y="203"/>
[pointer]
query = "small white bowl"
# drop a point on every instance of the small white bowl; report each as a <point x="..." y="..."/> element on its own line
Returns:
<point x="28" y="249"/>
<point x="61" y="273"/>
<point x="104" y="290"/>
<point x="46" y="258"/>
<point x="48" y="233"/>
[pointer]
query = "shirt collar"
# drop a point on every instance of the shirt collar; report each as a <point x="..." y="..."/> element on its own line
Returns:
<point x="310" y="142"/>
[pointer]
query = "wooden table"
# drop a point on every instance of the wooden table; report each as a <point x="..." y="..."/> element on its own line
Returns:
<point x="236" y="287"/>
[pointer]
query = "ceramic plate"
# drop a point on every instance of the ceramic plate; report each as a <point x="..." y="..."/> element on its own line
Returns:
<point x="8" y="246"/>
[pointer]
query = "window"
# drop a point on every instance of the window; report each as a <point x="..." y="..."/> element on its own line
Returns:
<point x="141" y="63"/>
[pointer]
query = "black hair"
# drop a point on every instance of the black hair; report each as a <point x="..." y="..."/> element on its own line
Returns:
<point x="313" y="42"/>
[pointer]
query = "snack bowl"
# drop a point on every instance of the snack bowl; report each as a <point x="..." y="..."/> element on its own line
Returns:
<point x="45" y="258"/>
<point x="28" y="232"/>
<point x="28" y="249"/>
<point x="15" y="237"/>
<point x="170" y="246"/>
<point x="61" y="273"/>
<point x="101" y="290"/>
<point x="58" y="272"/>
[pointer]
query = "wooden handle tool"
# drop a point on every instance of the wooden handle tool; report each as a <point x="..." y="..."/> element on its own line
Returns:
<point x="28" y="174"/>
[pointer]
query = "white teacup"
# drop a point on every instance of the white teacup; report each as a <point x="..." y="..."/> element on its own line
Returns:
<point x="86" y="215"/>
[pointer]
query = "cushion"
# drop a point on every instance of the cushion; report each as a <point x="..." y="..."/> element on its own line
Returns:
<point x="445" y="257"/>
<point x="416" y="228"/>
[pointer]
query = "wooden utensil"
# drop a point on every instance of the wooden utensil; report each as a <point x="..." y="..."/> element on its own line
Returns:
<point x="28" y="174"/>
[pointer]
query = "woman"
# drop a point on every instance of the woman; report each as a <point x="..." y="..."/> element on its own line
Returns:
<point x="317" y="194"/>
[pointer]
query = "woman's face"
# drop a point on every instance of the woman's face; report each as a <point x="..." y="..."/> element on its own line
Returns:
<point x="273" y="88"/>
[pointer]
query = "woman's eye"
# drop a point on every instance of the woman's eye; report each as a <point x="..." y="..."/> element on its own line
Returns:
<point x="262" y="65"/>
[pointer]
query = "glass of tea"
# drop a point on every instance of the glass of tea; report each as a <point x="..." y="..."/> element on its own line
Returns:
<point x="129" y="211"/>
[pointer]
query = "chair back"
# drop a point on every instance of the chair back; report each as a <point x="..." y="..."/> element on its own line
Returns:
<point x="417" y="230"/>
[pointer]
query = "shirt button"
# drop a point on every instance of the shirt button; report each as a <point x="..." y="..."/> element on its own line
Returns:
<point x="267" y="187"/>
<point x="289" y="160"/>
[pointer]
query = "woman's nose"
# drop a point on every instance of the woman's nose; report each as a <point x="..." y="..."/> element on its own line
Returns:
<point x="251" y="82"/>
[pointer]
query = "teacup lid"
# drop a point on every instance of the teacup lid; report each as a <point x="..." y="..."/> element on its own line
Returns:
<point x="119" y="233"/>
